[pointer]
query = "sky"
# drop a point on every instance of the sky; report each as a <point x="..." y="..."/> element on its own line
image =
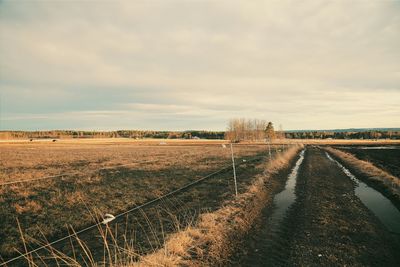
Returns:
<point x="180" y="65"/>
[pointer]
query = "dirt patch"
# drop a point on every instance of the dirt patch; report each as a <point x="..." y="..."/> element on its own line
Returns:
<point x="326" y="226"/>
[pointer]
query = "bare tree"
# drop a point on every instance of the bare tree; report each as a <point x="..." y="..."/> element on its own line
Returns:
<point x="246" y="129"/>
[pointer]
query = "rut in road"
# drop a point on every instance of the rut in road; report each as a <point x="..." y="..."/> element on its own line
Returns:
<point x="326" y="225"/>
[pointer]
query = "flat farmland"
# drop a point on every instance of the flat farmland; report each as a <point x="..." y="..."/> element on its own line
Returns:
<point x="31" y="160"/>
<point x="106" y="177"/>
<point x="318" y="209"/>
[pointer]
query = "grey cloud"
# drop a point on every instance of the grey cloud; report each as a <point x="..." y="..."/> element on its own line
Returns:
<point x="302" y="64"/>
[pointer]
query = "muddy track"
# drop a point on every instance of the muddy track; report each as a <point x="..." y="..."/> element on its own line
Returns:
<point x="327" y="225"/>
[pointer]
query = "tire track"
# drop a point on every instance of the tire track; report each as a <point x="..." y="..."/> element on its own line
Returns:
<point x="327" y="225"/>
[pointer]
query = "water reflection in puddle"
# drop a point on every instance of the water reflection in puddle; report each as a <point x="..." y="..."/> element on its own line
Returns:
<point x="375" y="201"/>
<point x="284" y="199"/>
<point x="267" y="239"/>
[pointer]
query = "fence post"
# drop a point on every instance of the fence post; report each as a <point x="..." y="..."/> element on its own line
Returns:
<point x="269" y="150"/>
<point x="234" y="170"/>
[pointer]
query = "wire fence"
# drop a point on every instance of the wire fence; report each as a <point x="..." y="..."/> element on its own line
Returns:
<point x="144" y="205"/>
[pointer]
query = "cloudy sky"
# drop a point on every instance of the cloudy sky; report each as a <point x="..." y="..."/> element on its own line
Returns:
<point x="178" y="65"/>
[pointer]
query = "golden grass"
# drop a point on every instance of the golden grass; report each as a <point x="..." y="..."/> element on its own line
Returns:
<point x="216" y="234"/>
<point x="388" y="182"/>
<point x="24" y="161"/>
<point x="51" y="204"/>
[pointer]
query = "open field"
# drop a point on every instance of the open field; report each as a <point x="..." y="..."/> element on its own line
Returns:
<point x="27" y="160"/>
<point x="296" y="209"/>
<point x="95" y="185"/>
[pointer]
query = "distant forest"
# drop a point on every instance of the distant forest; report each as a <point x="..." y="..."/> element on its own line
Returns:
<point x="138" y="134"/>
<point x="340" y="134"/>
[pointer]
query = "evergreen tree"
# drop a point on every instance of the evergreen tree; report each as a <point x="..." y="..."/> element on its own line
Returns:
<point x="269" y="131"/>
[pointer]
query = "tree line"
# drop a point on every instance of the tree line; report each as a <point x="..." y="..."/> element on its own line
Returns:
<point x="237" y="130"/>
<point x="343" y="135"/>
<point x="136" y="134"/>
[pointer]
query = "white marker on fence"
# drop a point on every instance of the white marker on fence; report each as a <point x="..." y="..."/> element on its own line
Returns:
<point x="108" y="218"/>
<point x="234" y="170"/>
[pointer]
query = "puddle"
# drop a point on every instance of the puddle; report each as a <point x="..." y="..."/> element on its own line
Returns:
<point x="375" y="201"/>
<point x="284" y="199"/>
<point x="271" y="228"/>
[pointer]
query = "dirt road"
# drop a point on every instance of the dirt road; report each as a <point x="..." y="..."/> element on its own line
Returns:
<point x="327" y="225"/>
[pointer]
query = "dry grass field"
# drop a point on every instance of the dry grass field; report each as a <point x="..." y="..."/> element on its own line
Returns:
<point x="96" y="182"/>
<point x="22" y="160"/>
<point x="85" y="179"/>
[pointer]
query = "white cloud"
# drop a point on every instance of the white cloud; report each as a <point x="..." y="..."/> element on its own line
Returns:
<point x="309" y="64"/>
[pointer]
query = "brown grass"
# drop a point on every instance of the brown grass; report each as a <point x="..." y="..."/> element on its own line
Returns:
<point x="389" y="184"/>
<point x="216" y="234"/>
<point x="51" y="204"/>
<point x="28" y="206"/>
<point x="24" y="161"/>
